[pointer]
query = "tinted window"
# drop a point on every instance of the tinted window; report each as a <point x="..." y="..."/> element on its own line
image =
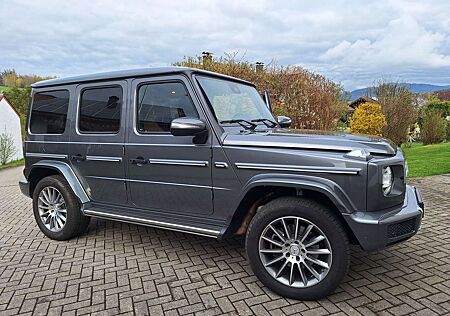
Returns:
<point x="49" y="112"/>
<point x="100" y="110"/>
<point x="160" y="103"/>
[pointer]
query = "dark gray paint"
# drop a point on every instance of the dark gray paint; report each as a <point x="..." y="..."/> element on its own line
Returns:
<point x="67" y="172"/>
<point x="197" y="187"/>
<point x="99" y="175"/>
<point x="184" y="187"/>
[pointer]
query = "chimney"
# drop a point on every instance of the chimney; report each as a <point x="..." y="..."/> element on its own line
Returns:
<point x="207" y="58"/>
<point x="259" y="66"/>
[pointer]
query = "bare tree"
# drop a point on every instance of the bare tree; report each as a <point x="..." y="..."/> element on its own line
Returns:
<point x="397" y="104"/>
<point x="7" y="148"/>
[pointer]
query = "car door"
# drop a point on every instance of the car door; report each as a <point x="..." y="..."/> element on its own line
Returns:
<point x="96" y="146"/>
<point x="165" y="172"/>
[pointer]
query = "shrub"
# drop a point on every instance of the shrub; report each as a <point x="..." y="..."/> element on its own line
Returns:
<point x="310" y="100"/>
<point x="441" y="106"/>
<point x="447" y="135"/>
<point x="397" y="104"/>
<point x="368" y="119"/>
<point x="434" y="127"/>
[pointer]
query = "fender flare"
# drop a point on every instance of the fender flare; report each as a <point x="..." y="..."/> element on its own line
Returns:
<point x="325" y="186"/>
<point x="66" y="171"/>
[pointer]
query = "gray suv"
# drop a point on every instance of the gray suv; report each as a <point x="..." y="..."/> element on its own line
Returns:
<point x="201" y="153"/>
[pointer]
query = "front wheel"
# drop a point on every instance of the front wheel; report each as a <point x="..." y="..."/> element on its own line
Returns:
<point x="297" y="248"/>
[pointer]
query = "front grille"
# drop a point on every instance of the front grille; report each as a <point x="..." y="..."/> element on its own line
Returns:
<point x="402" y="228"/>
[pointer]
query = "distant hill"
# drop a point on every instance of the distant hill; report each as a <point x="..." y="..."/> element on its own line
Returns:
<point x="413" y="87"/>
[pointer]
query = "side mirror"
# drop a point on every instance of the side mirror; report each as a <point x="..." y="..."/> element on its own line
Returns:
<point x="187" y="126"/>
<point x="284" y="121"/>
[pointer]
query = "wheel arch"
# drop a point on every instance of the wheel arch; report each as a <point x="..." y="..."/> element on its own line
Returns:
<point x="262" y="191"/>
<point x="46" y="168"/>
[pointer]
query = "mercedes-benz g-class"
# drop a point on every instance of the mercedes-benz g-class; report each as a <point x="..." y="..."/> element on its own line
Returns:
<point x="199" y="152"/>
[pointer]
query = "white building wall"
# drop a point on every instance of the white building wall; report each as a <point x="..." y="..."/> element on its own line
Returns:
<point x="10" y="122"/>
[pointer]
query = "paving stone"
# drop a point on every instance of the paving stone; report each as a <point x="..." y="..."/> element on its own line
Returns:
<point x="118" y="268"/>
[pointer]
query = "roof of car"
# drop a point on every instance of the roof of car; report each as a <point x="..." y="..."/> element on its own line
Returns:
<point x="121" y="74"/>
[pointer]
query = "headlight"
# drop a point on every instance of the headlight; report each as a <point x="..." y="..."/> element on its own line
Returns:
<point x="388" y="179"/>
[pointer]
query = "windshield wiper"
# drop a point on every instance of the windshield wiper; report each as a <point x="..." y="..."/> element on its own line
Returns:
<point x="267" y="122"/>
<point x="244" y="123"/>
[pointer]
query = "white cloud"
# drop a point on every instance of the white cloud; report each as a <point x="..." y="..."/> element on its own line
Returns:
<point x="348" y="41"/>
<point x="402" y="42"/>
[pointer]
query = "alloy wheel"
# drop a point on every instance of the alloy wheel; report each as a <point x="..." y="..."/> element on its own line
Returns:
<point x="295" y="252"/>
<point x="52" y="209"/>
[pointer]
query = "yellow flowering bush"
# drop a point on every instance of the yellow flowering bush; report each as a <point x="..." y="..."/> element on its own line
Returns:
<point x="368" y="119"/>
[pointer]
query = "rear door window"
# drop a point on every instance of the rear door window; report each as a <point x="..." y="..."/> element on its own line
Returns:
<point x="100" y="110"/>
<point x="49" y="112"/>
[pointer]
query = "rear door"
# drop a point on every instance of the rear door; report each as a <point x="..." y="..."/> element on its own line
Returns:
<point x="166" y="173"/>
<point x="96" y="146"/>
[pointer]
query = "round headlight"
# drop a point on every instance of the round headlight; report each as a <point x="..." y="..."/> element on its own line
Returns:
<point x="388" y="180"/>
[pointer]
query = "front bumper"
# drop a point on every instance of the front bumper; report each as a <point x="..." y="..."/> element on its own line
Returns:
<point x="25" y="187"/>
<point x="379" y="229"/>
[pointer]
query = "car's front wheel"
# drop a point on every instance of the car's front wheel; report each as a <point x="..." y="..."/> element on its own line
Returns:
<point x="297" y="248"/>
<point x="57" y="210"/>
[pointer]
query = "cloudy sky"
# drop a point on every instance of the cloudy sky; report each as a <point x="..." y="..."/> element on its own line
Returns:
<point x="352" y="42"/>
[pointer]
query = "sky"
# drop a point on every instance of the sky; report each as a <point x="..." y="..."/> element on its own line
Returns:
<point x="355" y="43"/>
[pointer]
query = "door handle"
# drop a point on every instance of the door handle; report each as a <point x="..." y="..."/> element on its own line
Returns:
<point x="138" y="161"/>
<point x="78" y="157"/>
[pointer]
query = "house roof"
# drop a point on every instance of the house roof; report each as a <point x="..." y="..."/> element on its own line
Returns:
<point x="362" y="100"/>
<point x="122" y="74"/>
<point x="2" y="96"/>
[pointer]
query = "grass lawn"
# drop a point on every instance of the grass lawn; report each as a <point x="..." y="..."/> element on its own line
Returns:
<point x="13" y="164"/>
<point x="427" y="160"/>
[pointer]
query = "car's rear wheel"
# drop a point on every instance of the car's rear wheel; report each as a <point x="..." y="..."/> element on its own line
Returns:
<point x="57" y="210"/>
<point x="297" y="248"/>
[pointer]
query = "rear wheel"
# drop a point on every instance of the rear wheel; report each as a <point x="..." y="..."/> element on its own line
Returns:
<point x="57" y="210"/>
<point x="297" y="248"/>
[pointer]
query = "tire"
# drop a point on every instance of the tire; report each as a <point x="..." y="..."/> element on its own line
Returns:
<point x="45" y="197"/>
<point x="331" y="253"/>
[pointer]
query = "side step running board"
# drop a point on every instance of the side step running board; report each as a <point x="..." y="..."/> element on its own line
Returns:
<point x="153" y="223"/>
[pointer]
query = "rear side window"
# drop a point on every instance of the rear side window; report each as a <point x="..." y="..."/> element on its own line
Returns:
<point x="160" y="103"/>
<point x="100" y="110"/>
<point x="49" y="112"/>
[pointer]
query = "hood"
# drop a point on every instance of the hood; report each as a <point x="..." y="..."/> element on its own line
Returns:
<point x="308" y="139"/>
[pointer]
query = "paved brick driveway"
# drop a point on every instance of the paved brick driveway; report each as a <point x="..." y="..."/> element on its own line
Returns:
<point x="120" y="268"/>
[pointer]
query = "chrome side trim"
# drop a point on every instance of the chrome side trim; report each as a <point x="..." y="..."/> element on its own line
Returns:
<point x="295" y="168"/>
<point x="106" y="178"/>
<point x="153" y="223"/>
<point x="44" y="155"/>
<point x="104" y="158"/>
<point x="194" y="163"/>
<point x="300" y="145"/>
<point x="118" y="144"/>
<point x="178" y="184"/>
<point x="219" y="164"/>
<point x="280" y="144"/>
<point x="159" y="182"/>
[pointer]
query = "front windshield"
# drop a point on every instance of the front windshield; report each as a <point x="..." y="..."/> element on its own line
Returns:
<point x="234" y="101"/>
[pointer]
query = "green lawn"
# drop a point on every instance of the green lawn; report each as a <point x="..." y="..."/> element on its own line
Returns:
<point x="13" y="164"/>
<point x="427" y="160"/>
